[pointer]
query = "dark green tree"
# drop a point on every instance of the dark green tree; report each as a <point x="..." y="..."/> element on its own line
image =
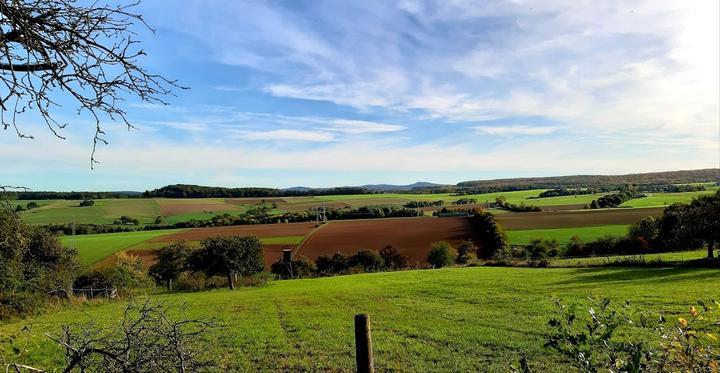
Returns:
<point x="172" y="260"/>
<point x="369" y="260"/>
<point x="441" y="255"/>
<point x="229" y="256"/>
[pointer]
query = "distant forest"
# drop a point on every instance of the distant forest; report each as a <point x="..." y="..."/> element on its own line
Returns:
<point x="653" y="181"/>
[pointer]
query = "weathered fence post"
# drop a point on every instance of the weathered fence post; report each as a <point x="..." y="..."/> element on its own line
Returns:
<point x="363" y="344"/>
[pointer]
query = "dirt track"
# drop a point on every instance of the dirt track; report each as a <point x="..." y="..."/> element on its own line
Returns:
<point x="410" y="236"/>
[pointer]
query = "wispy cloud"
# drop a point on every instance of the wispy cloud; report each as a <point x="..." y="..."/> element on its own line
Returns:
<point x="515" y="130"/>
<point x="286" y="135"/>
<point x="356" y="127"/>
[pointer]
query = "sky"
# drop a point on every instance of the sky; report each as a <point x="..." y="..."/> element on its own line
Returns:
<point x="328" y="93"/>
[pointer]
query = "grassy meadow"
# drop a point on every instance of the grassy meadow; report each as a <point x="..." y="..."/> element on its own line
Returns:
<point x="563" y="235"/>
<point x="458" y="319"/>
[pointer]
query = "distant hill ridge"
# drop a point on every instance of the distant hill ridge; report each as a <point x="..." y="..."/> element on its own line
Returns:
<point x="475" y="186"/>
<point x="649" y="178"/>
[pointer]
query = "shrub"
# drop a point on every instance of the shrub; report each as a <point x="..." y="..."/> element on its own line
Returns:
<point x="300" y="267"/>
<point x="331" y="265"/>
<point x="539" y="251"/>
<point x="393" y="259"/>
<point x="32" y="205"/>
<point x="190" y="281"/>
<point x="86" y="203"/>
<point x="466" y="252"/>
<point x="369" y="260"/>
<point x="576" y="247"/>
<point x="491" y="235"/>
<point x="129" y="272"/>
<point x="441" y="255"/>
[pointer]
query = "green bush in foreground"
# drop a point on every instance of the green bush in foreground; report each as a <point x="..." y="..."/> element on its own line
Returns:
<point x="611" y="339"/>
<point x="441" y="255"/>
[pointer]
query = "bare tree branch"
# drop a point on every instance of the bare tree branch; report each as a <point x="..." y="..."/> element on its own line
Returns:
<point x="87" y="52"/>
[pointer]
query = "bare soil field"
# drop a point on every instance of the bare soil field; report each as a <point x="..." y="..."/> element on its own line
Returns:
<point x="253" y="201"/>
<point x="304" y="206"/>
<point x="271" y="253"/>
<point x="410" y="236"/>
<point x="260" y="230"/>
<point x="572" y="219"/>
<point x="170" y="207"/>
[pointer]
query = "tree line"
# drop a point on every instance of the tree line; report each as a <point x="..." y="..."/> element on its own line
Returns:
<point x="502" y="203"/>
<point x="418" y="204"/>
<point x="615" y="199"/>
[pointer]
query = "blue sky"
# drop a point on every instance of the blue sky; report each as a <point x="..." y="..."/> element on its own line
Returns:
<point x="326" y="93"/>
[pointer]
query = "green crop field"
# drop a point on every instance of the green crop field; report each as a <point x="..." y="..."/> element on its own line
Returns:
<point x="668" y="258"/>
<point x="104" y="211"/>
<point x="563" y="235"/>
<point x="664" y="199"/>
<point x="460" y="319"/>
<point x="94" y="247"/>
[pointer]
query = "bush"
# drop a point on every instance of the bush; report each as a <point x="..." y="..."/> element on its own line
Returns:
<point x="32" y="205"/>
<point x="331" y="265"/>
<point x="129" y="272"/>
<point x="539" y="251"/>
<point x="466" y="252"/>
<point x="300" y="267"/>
<point x="393" y="259"/>
<point x="86" y="203"/>
<point x="441" y="255"/>
<point x="576" y="247"/>
<point x="190" y="281"/>
<point x="491" y="235"/>
<point x="369" y="260"/>
<point x="20" y="304"/>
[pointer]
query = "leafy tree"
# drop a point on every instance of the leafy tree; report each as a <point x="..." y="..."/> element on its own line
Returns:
<point x="129" y="272"/>
<point x="539" y="251"/>
<point x="490" y="233"/>
<point x="19" y="208"/>
<point x="370" y="260"/>
<point x="690" y="226"/>
<point x="299" y="267"/>
<point x="393" y="259"/>
<point x="229" y="256"/>
<point x="172" y="260"/>
<point x="87" y="203"/>
<point x="32" y="205"/>
<point x="32" y="262"/>
<point x="441" y="255"/>
<point x="646" y="230"/>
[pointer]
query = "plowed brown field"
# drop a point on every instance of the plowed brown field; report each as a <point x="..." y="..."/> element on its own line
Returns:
<point x="572" y="219"/>
<point x="260" y="230"/>
<point x="410" y="236"/>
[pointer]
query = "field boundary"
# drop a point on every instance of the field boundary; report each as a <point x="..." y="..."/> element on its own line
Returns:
<point x="299" y="246"/>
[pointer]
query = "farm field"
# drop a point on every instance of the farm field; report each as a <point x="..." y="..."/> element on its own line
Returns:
<point x="575" y="219"/>
<point x="104" y="211"/>
<point x="175" y="210"/>
<point x="563" y="235"/>
<point x="664" y="199"/>
<point x="459" y="319"/>
<point x="94" y="247"/>
<point x="668" y="258"/>
<point x="410" y="236"/>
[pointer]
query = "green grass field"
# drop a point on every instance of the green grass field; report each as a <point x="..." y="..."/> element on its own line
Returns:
<point x="104" y="211"/>
<point x="563" y="235"/>
<point x="668" y="258"/>
<point x="94" y="247"/>
<point x="664" y="199"/>
<point x="460" y="319"/>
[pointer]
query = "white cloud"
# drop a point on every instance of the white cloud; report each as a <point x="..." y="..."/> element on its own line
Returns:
<point x="356" y="127"/>
<point x="285" y="135"/>
<point x="515" y="130"/>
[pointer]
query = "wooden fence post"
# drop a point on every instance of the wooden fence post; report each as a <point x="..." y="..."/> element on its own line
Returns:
<point x="363" y="344"/>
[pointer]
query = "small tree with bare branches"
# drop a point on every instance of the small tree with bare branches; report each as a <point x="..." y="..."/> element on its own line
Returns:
<point x="83" y="50"/>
